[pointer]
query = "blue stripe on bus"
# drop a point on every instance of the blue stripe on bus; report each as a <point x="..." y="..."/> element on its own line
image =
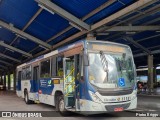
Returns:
<point x="34" y="86"/>
<point x="46" y="86"/>
<point x="18" y="85"/>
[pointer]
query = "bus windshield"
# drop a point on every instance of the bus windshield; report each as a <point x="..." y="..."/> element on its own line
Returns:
<point x="116" y="72"/>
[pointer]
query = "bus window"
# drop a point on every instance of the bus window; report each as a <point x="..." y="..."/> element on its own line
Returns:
<point x="54" y="66"/>
<point x="28" y="72"/>
<point x="60" y="66"/>
<point x="23" y="74"/>
<point x="45" y="69"/>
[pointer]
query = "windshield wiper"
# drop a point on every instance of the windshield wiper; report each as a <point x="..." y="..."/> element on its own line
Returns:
<point x="104" y="64"/>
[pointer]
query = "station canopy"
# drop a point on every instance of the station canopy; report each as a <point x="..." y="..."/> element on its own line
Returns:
<point x="30" y="28"/>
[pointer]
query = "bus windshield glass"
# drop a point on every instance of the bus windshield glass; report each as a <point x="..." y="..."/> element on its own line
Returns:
<point x="111" y="69"/>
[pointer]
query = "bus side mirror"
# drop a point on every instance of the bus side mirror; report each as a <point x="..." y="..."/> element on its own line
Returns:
<point x="85" y="60"/>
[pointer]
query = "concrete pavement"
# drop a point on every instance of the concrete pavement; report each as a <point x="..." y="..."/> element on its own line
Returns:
<point x="10" y="102"/>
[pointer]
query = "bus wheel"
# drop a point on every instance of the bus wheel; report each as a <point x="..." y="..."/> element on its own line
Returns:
<point x="26" y="98"/>
<point x="61" y="107"/>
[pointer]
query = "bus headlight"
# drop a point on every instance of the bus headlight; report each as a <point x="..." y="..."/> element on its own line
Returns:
<point x="94" y="97"/>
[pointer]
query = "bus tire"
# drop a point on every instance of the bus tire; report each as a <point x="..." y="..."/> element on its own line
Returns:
<point x="26" y="98"/>
<point x="61" y="106"/>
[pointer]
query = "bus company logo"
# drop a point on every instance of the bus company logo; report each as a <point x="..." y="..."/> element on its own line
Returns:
<point x="118" y="99"/>
<point x="6" y="114"/>
<point x="49" y="82"/>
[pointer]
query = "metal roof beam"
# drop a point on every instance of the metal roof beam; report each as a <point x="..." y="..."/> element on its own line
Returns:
<point x="11" y="58"/>
<point x="7" y="63"/>
<point x="147" y="12"/>
<point x="144" y="54"/>
<point x="131" y="18"/>
<point x="152" y="21"/>
<point x="120" y="13"/>
<point x="127" y="10"/>
<point x="133" y="28"/>
<point x="63" y="13"/>
<point x="3" y="67"/>
<point x="28" y="24"/>
<point x="14" y="49"/>
<point x="150" y="37"/>
<point x="26" y="35"/>
<point x="106" y="4"/>
<point x="129" y="39"/>
<point x="153" y="47"/>
<point x="151" y="11"/>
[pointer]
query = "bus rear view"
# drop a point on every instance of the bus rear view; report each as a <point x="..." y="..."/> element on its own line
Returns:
<point x="111" y="77"/>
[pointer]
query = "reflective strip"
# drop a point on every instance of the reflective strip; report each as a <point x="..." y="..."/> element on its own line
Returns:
<point x="69" y="83"/>
<point x="69" y="74"/>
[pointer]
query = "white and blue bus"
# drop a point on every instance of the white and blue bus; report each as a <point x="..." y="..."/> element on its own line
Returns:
<point x="94" y="76"/>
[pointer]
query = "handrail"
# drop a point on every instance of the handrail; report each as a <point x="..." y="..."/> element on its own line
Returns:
<point x="69" y="83"/>
<point x="69" y="74"/>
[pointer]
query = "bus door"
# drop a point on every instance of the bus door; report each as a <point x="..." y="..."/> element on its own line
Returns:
<point x="36" y="80"/>
<point x="69" y="82"/>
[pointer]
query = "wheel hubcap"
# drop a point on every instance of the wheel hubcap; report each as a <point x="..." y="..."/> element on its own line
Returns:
<point x="61" y="105"/>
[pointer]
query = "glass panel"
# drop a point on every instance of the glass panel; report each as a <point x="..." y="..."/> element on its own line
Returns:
<point x="45" y="69"/>
<point x="23" y="74"/>
<point x="69" y="76"/>
<point x="111" y="70"/>
<point x="28" y="72"/>
<point x="54" y="66"/>
<point x="60" y="66"/>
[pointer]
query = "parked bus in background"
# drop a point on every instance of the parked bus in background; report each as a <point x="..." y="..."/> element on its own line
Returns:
<point x="93" y="76"/>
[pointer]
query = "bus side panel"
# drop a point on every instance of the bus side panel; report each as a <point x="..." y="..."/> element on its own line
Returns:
<point x="26" y="85"/>
<point x="18" y="83"/>
<point x="34" y="86"/>
<point x="47" y="91"/>
<point x="33" y="91"/>
<point x="18" y="88"/>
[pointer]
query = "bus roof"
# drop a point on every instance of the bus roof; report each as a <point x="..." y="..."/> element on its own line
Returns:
<point x="62" y="49"/>
<point x="59" y="50"/>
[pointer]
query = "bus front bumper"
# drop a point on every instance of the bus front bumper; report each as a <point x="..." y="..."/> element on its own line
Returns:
<point x="93" y="107"/>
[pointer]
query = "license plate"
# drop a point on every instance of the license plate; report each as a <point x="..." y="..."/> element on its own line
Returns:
<point x="118" y="109"/>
